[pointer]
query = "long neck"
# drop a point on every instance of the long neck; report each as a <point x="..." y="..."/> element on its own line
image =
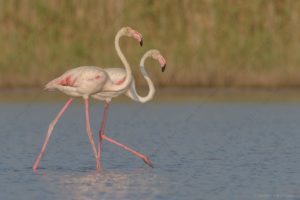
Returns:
<point x="151" y="92"/>
<point x="128" y="78"/>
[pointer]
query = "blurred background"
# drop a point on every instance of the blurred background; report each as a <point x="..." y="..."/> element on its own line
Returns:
<point x="207" y="43"/>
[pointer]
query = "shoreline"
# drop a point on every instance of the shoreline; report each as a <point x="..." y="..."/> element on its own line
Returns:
<point x="169" y="94"/>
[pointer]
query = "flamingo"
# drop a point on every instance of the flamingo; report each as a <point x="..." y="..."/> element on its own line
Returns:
<point x="83" y="82"/>
<point x="118" y="76"/>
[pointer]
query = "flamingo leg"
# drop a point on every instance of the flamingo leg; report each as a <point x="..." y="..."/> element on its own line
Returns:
<point x="102" y="127"/>
<point x="145" y="158"/>
<point x="89" y="133"/>
<point x="102" y="136"/>
<point x="49" y="132"/>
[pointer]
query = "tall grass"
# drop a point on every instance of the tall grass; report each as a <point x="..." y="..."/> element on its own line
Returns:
<point x="207" y="43"/>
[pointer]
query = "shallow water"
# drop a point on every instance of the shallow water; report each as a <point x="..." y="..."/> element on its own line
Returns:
<point x="199" y="150"/>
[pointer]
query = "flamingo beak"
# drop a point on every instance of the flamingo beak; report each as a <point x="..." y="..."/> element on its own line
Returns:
<point x="141" y="42"/>
<point x="136" y="35"/>
<point x="163" y="62"/>
<point x="163" y="68"/>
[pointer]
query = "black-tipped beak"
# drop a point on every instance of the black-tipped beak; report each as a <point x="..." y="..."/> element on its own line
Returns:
<point x="164" y="67"/>
<point x="141" y="42"/>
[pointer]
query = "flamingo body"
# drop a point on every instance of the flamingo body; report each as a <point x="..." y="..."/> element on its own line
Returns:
<point x="117" y="76"/>
<point x="81" y="81"/>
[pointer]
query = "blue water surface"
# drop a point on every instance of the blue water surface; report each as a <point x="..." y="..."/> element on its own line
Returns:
<point x="220" y="150"/>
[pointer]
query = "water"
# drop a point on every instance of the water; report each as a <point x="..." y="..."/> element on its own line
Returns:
<point x="199" y="150"/>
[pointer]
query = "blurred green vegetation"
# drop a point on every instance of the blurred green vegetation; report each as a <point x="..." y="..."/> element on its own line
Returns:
<point x="207" y="43"/>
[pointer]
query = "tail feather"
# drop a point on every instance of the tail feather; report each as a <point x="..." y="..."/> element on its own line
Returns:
<point x="51" y="85"/>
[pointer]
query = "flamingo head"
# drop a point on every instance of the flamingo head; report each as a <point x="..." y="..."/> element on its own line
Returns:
<point x="128" y="31"/>
<point x="156" y="55"/>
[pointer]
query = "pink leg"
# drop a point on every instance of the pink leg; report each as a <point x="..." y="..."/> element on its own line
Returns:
<point x="89" y="133"/>
<point x="102" y="127"/>
<point x="50" y="129"/>
<point x="145" y="158"/>
<point x="103" y="136"/>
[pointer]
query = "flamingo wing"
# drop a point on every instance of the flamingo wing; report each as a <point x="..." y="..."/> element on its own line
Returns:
<point x="80" y="81"/>
<point x="116" y="75"/>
